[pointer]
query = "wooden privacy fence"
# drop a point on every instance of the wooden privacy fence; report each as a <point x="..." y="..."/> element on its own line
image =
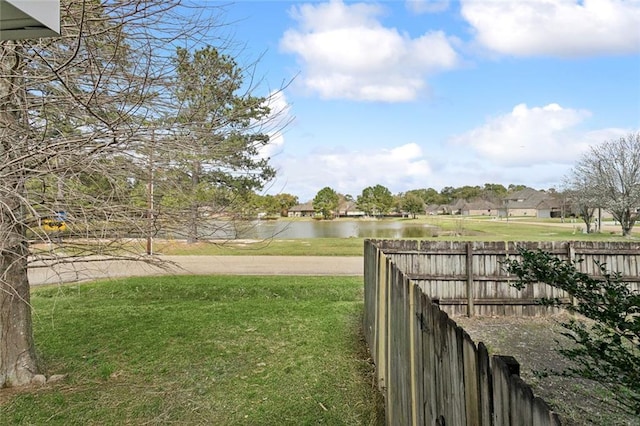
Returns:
<point x="467" y="278"/>
<point x="428" y="369"/>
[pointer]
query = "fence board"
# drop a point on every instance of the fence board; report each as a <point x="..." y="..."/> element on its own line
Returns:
<point x="441" y="268"/>
<point x="428" y="369"/>
<point x="429" y="375"/>
<point x="417" y="352"/>
<point x="471" y="380"/>
<point x="501" y="401"/>
<point x="485" y="386"/>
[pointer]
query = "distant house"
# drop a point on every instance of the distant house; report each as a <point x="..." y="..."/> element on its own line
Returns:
<point x="302" y="210"/>
<point x="456" y="207"/>
<point x="349" y="209"/>
<point x="478" y="208"/>
<point x="530" y="202"/>
<point x="472" y="208"/>
<point x="345" y="209"/>
<point x="435" y="209"/>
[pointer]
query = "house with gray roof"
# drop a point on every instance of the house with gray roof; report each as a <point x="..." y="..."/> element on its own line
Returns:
<point x="478" y="208"/>
<point x="530" y="202"/>
<point x="302" y="210"/>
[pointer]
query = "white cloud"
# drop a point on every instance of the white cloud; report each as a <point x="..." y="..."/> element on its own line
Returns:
<point x="275" y="124"/>
<point x="564" y="28"/>
<point x="346" y="53"/>
<point x="476" y="172"/>
<point x="349" y="172"/>
<point x="535" y="146"/>
<point x="427" y="6"/>
<point x="527" y="136"/>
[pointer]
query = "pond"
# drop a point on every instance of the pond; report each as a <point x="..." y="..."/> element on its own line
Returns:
<point x="333" y="229"/>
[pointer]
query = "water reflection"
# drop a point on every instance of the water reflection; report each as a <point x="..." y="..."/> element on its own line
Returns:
<point x="329" y="229"/>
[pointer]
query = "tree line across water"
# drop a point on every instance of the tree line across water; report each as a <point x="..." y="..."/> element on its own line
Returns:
<point x="378" y="200"/>
<point x="606" y="177"/>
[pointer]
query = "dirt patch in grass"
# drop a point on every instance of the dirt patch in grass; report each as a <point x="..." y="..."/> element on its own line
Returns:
<point x="534" y="342"/>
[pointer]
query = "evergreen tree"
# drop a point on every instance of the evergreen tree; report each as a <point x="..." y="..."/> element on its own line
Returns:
<point x="74" y="113"/>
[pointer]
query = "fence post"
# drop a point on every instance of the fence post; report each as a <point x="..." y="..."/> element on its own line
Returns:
<point x="571" y="252"/>
<point x="381" y="321"/>
<point x="388" y="356"/>
<point x="571" y="257"/>
<point x="470" y="307"/>
<point x="416" y="406"/>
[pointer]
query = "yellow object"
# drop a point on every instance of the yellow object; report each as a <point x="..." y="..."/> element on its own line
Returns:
<point x="52" y="225"/>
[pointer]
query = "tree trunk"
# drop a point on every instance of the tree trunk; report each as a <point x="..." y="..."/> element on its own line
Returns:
<point x="193" y="224"/>
<point x="626" y="223"/>
<point x="626" y="218"/>
<point x="194" y="209"/>
<point x="17" y="353"/>
<point x="587" y="215"/>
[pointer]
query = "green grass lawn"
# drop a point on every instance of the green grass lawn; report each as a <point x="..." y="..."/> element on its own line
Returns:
<point x="214" y="350"/>
<point x="290" y="247"/>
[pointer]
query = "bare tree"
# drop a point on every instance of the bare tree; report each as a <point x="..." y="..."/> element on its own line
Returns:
<point x="583" y="196"/>
<point x="17" y="355"/>
<point x="609" y="174"/>
<point x="74" y="112"/>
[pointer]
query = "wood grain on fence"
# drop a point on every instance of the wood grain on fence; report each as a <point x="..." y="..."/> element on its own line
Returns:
<point x="429" y="370"/>
<point x="468" y="278"/>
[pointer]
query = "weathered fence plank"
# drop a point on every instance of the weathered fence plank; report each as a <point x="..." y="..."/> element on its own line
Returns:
<point x="470" y="279"/>
<point x="450" y="271"/>
<point x="429" y="353"/>
<point x="428" y="369"/>
<point x="485" y="386"/>
<point x="501" y="402"/>
<point x="471" y="380"/>
<point x="417" y="355"/>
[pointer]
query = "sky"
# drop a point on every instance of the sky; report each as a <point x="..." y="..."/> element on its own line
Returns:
<point x="435" y="93"/>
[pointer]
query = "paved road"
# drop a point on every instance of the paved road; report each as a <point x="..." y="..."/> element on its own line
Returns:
<point x="182" y="265"/>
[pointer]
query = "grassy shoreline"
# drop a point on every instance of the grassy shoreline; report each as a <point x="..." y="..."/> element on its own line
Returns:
<point x="446" y="228"/>
<point x="441" y="228"/>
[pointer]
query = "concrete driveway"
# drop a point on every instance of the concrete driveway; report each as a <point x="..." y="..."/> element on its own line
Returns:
<point x="199" y="265"/>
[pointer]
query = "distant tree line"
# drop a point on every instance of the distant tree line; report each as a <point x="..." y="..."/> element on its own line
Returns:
<point x="606" y="178"/>
<point x="378" y="200"/>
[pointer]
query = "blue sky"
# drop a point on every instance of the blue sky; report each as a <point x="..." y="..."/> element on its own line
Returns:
<point x="418" y="94"/>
